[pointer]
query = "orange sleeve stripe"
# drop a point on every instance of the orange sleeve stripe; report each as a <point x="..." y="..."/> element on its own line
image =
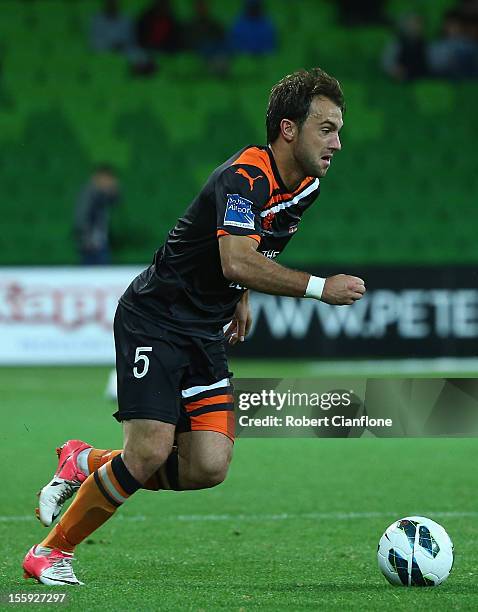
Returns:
<point x="253" y="236"/>
<point x="259" y="158"/>
<point x="210" y="401"/>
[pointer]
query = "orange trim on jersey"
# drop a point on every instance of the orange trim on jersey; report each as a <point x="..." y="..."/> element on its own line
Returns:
<point x="260" y="159"/>
<point x="288" y="196"/>
<point x="210" y="401"/>
<point x="281" y="197"/>
<point x="221" y="421"/>
<point x="256" y="237"/>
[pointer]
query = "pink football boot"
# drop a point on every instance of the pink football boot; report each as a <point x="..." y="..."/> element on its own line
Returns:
<point x="50" y="566"/>
<point x="67" y="479"/>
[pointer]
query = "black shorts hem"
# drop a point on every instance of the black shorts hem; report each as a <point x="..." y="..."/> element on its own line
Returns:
<point x="128" y="415"/>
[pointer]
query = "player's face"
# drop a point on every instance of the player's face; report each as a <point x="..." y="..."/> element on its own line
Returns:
<point x="106" y="182"/>
<point x="318" y="139"/>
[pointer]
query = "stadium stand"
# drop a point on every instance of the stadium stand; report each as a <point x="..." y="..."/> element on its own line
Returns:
<point x="392" y="195"/>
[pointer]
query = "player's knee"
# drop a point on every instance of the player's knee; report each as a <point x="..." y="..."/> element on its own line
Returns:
<point x="210" y="474"/>
<point x="147" y="446"/>
<point x="210" y="478"/>
<point x="143" y="461"/>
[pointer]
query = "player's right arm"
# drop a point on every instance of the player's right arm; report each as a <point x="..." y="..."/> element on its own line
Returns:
<point x="242" y="264"/>
<point x="240" y="194"/>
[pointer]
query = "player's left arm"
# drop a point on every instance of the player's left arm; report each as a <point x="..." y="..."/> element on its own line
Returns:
<point x="241" y="323"/>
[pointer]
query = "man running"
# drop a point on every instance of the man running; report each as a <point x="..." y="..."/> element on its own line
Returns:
<point x="174" y="389"/>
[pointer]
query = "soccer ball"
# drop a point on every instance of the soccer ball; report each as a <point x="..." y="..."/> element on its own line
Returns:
<point x="415" y="551"/>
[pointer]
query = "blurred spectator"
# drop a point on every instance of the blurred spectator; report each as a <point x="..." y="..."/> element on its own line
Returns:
<point x="455" y="53"/>
<point x="361" y="12"/>
<point x="158" y="29"/>
<point x="253" y="31"/>
<point x="92" y="216"/>
<point x="205" y="35"/>
<point x="405" y="57"/>
<point x="110" y="30"/>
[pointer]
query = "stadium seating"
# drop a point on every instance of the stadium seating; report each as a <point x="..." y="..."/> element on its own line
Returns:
<point x="392" y="195"/>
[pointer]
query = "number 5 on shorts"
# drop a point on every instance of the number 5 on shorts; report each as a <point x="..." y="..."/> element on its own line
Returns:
<point x="144" y="358"/>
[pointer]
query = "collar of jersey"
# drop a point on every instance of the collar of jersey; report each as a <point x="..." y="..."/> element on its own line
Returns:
<point x="275" y="171"/>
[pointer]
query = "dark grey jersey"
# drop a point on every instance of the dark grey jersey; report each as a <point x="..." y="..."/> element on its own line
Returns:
<point x="184" y="288"/>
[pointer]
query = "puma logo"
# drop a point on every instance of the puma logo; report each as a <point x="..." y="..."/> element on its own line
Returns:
<point x="247" y="176"/>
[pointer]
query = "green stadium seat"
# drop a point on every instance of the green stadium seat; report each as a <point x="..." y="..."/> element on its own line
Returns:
<point x="79" y="107"/>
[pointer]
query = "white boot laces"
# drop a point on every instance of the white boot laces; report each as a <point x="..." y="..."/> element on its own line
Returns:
<point x="69" y="488"/>
<point x="63" y="569"/>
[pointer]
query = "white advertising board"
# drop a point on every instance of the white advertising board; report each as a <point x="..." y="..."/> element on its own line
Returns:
<point x="56" y="316"/>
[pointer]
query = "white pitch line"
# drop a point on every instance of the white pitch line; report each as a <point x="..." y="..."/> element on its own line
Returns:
<point x="24" y="518"/>
<point x="15" y="519"/>
<point x="334" y="516"/>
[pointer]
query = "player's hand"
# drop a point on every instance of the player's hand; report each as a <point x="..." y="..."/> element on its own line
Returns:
<point x="240" y="325"/>
<point x="342" y="289"/>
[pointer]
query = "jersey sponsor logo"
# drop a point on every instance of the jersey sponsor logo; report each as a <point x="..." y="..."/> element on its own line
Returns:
<point x="239" y="212"/>
<point x="270" y="254"/>
<point x="247" y="176"/>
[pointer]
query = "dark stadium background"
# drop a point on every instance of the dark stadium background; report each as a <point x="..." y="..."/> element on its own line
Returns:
<point x="398" y="208"/>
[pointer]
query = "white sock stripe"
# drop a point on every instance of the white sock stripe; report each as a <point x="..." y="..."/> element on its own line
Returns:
<point x="199" y="389"/>
<point x="105" y="479"/>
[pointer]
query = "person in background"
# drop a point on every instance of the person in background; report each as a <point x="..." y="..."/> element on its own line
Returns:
<point x="405" y="57"/>
<point x="158" y="28"/>
<point x="253" y="31"/>
<point x="92" y="216"/>
<point x="205" y="36"/>
<point x="110" y="30"/>
<point x="455" y="54"/>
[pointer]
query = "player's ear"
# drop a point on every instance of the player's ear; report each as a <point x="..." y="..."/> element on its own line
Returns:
<point x="288" y="129"/>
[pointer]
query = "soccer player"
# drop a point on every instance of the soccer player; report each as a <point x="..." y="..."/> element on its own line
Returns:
<point x="174" y="386"/>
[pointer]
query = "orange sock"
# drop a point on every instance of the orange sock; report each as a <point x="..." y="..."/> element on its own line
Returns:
<point x="98" y="498"/>
<point x="98" y="457"/>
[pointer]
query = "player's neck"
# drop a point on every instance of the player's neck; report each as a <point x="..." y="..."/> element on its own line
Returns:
<point x="290" y="174"/>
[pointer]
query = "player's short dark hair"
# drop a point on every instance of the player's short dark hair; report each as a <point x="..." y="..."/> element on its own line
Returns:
<point x="291" y="97"/>
<point x="105" y="168"/>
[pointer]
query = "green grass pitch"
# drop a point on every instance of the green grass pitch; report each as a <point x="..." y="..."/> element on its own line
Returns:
<point x="295" y="526"/>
